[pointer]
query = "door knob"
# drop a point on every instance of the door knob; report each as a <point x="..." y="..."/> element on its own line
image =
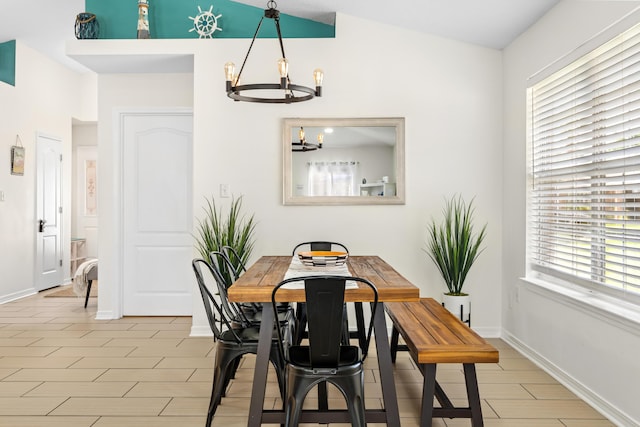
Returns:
<point x="41" y="224"/>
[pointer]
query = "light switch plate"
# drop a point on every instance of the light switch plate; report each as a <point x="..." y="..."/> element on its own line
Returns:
<point x="224" y="190"/>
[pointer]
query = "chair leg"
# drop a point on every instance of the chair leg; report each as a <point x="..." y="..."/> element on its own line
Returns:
<point x="323" y="400"/>
<point x="221" y="375"/>
<point x="280" y="367"/>
<point x="395" y="335"/>
<point x="297" y="389"/>
<point x="352" y="387"/>
<point x="301" y="323"/>
<point x="362" y="333"/>
<point x="86" y="298"/>
<point x="233" y="367"/>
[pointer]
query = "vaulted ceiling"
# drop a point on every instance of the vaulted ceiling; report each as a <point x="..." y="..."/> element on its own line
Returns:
<point x="45" y="25"/>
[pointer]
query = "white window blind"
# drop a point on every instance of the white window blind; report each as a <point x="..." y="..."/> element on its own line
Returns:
<point x="584" y="202"/>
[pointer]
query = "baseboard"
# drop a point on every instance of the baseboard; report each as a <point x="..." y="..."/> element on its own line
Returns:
<point x="200" y="331"/>
<point x="106" y="315"/>
<point x="17" y="295"/>
<point x="488" y="332"/>
<point x="616" y="416"/>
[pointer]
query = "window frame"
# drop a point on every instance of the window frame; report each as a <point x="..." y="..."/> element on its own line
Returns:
<point x="536" y="272"/>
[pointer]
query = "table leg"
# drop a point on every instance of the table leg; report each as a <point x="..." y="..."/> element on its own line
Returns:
<point x="262" y="366"/>
<point x="386" y="367"/>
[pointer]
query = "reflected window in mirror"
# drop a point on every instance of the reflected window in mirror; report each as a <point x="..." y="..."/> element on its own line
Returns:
<point x="343" y="161"/>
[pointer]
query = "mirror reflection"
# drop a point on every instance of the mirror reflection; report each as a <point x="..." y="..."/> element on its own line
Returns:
<point x="343" y="161"/>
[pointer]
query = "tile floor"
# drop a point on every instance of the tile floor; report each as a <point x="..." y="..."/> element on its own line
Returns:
<point x="61" y="367"/>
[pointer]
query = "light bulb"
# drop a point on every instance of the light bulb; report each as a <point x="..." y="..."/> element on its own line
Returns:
<point x="229" y="70"/>
<point x="320" y="139"/>
<point x="283" y="67"/>
<point x="318" y="75"/>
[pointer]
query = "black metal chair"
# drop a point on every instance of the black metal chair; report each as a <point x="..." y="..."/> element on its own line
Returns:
<point x="318" y="245"/>
<point x="235" y="260"/>
<point x="301" y="312"/>
<point x="239" y="313"/>
<point x="232" y="340"/>
<point x="326" y="358"/>
<point x="247" y="314"/>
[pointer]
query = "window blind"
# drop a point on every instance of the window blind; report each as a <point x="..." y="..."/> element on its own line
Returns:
<point x="584" y="201"/>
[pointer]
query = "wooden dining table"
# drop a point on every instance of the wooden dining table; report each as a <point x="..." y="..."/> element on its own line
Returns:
<point x="256" y="285"/>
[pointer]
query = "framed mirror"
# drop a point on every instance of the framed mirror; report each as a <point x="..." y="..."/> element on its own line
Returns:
<point x="342" y="161"/>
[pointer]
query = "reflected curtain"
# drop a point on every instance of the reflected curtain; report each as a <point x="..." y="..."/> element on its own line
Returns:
<point x="332" y="178"/>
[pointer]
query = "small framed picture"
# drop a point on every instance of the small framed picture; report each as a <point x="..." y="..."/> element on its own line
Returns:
<point x="17" y="160"/>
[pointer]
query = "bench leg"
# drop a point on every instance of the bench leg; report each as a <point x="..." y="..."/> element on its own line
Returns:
<point x="86" y="298"/>
<point x="473" y="395"/>
<point x="428" y="392"/>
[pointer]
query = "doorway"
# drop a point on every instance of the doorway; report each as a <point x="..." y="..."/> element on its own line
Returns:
<point x="157" y="217"/>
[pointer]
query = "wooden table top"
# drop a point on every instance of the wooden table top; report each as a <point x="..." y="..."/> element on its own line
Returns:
<point x="256" y="284"/>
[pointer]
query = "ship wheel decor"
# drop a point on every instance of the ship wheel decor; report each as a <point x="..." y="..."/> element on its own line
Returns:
<point x="205" y="23"/>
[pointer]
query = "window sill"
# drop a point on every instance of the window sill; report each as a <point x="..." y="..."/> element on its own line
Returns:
<point x="610" y="309"/>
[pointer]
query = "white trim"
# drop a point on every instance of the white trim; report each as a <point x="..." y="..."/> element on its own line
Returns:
<point x="487" y="332"/>
<point x="614" y="311"/>
<point x="592" y="398"/>
<point x="106" y="315"/>
<point x="200" y="331"/>
<point x="17" y="295"/>
<point x="619" y="26"/>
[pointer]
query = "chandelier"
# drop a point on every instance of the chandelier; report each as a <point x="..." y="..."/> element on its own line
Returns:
<point x="286" y="91"/>
<point x="303" y="145"/>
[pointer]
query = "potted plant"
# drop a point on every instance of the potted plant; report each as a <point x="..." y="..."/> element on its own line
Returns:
<point x="453" y="246"/>
<point x="234" y="230"/>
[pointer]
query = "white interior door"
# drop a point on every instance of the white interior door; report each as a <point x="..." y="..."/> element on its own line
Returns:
<point x="48" y="225"/>
<point x="157" y="214"/>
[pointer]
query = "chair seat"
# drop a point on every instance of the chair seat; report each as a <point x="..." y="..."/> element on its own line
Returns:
<point x="247" y="335"/>
<point x="299" y="355"/>
<point x="283" y="316"/>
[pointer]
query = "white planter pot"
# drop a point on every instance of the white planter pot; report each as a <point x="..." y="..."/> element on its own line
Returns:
<point x="459" y="305"/>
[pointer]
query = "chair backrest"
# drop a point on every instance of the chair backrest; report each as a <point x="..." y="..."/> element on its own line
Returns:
<point x="218" y="261"/>
<point x="325" y="309"/>
<point x="235" y="260"/>
<point x="208" y="285"/>
<point x="320" y="246"/>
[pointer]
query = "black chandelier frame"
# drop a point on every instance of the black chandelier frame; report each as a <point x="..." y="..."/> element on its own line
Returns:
<point x="289" y="89"/>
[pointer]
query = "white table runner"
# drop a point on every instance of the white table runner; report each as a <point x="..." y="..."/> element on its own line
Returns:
<point x="298" y="269"/>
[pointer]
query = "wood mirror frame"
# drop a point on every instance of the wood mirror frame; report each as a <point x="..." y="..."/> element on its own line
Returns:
<point x="380" y="132"/>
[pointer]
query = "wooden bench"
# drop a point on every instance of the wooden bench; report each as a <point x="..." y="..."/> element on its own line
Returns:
<point x="433" y="335"/>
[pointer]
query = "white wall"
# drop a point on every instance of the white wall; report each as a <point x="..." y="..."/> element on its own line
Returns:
<point x="45" y="99"/>
<point x="449" y="92"/>
<point x="595" y="354"/>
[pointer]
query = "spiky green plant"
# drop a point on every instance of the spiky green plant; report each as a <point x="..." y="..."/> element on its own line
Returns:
<point x="452" y="244"/>
<point x="234" y="229"/>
